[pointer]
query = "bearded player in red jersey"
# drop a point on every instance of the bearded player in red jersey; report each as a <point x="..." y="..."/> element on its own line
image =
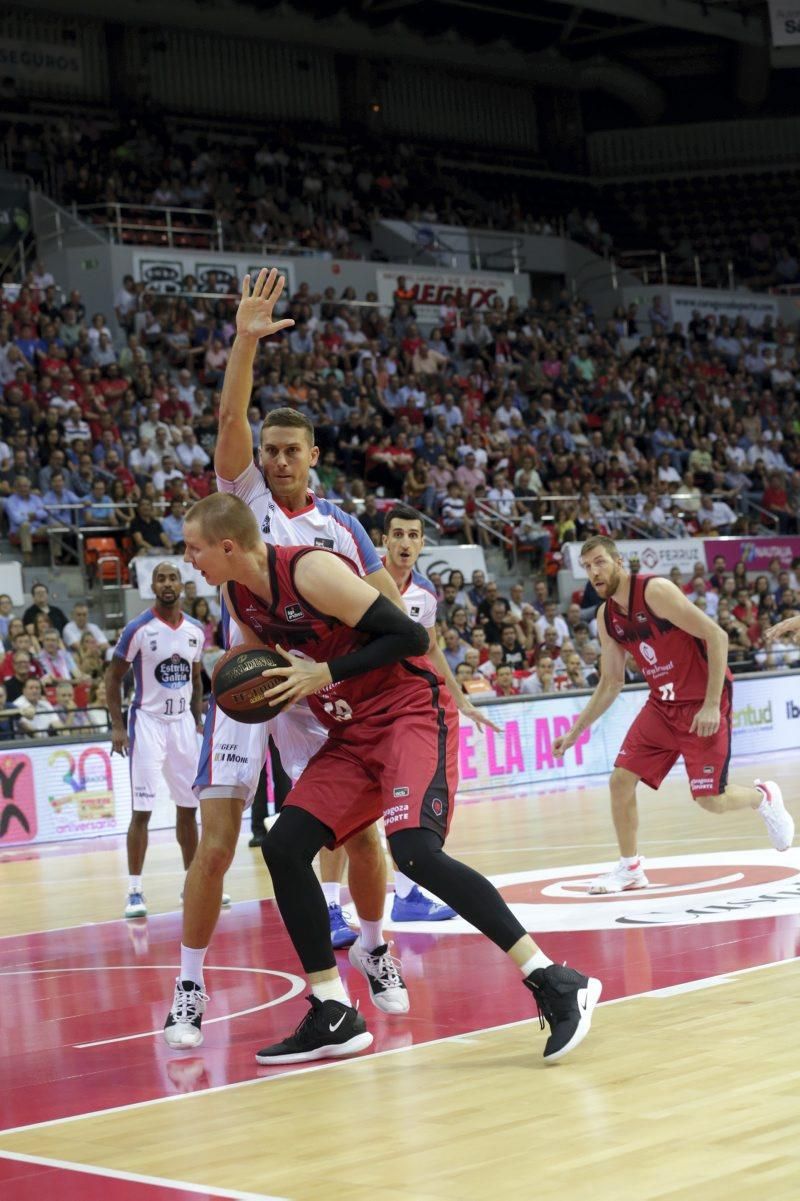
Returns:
<point x="391" y="751"/>
<point x="682" y="655"/>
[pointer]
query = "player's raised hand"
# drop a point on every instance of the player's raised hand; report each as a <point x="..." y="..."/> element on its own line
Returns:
<point x="254" y="315"/>
<point x="790" y="625"/>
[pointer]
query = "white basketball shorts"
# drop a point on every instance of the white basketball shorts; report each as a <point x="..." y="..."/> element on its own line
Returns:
<point x="161" y="750"/>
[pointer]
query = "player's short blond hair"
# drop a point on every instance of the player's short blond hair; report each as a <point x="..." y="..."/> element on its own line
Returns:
<point x="600" y="540"/>
<point x="221" y="516"/>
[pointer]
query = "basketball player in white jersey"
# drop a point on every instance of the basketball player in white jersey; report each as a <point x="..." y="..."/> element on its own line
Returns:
<point x="404" y="538"/>
<point x="233" y="754"/>
<point x="163" y="648"/>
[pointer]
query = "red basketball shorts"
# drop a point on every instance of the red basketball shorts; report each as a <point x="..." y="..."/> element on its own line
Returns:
<point x="401" y="766"/>
<point x="660" y="735"/>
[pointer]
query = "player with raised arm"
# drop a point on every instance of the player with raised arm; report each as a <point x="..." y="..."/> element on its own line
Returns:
<point x="233" y="754"/>
<point x="163" y="647"/>
<point x="682" y="655"/>
<point x="391" y="751"/>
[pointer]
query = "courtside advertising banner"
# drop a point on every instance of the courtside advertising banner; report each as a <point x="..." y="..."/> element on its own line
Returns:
<point x="757" y="553"/>
<point x="476" y="290"/>
<point x="655" y="557"/>
<point x="54" y="793"/>
<point x="766" y="718"/>
<point x="717" y="303"/>
<point x="165" y="271"/>
<point x="785" y="22"/>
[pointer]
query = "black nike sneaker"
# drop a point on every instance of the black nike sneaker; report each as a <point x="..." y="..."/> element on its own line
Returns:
<point x="565" y="999"/>
<point x="328" y="1031"/>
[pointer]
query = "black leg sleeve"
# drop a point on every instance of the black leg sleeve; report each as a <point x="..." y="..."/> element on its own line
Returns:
<point x="420" y="856"/>
<point x="281" y="783"/>
<point x="289" y="849"/>
<point x="258" y="809"/>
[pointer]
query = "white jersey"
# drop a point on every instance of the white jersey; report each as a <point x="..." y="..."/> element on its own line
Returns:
<point x="320" y="523"/>
<point x="419" y="598"/>
<point x="161" y="656"/>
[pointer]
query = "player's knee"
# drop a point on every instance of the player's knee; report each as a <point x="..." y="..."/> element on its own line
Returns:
<point x="140" y="817"/>
<point x="366" y="845"/>
<point x="294" y="840"/>
<point x="622" y="785"/>
<point x="215" y="854"/>
<point x="714" y="804"/>
<point x="414" y="853"/>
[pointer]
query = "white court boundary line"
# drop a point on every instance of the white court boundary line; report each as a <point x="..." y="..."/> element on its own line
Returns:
<point x="136" y="1178"/>
<point x="296" y="985"/>
<point x="355" y="1061"/>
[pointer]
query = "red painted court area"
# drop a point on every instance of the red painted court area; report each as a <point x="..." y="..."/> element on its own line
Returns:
<point x="20" y="1181"/>
<point x="83" y="1008"/>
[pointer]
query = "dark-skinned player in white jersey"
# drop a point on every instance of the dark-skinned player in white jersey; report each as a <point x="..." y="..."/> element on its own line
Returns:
<point x="683" y="656"/>
<point x="391" y="751"/>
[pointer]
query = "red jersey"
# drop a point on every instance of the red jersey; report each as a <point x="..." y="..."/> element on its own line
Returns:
<point x="673" y="663"/>
<point x="290" y="620"/>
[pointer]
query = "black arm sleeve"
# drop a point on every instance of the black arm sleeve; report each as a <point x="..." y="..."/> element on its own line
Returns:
<point x="395" y="637"/>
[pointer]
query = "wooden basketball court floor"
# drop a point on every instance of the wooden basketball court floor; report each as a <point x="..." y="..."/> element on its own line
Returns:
<point x="688" y="1084"/>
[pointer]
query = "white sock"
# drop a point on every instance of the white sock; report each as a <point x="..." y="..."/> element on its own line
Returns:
<point x="330" y="990"/>
<point x="630" y="860"/>
<point x="134" y="884"/>
<point x="192" y="963"/>
<point x="333" y="894"/>
<point x="537" y="960"/>
<point x="402" y="885"/>
<point x="371" y="934"/>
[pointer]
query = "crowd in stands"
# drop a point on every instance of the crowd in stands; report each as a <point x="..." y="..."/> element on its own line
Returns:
<point x="536" y="424"/>
<point x="497" y="645"/>
<point x="52" y="666"/>
<point x="303" y="191"/>
<point x="291" y="192"/>
<point x="524" y="643"/>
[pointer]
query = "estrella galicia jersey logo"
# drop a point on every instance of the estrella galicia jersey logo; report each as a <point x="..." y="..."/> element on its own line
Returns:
<point x="174" y="672"/>
<point x="293" y="613"/>
<point x="324" y="543"/>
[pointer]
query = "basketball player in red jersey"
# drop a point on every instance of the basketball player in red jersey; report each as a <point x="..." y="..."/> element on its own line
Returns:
<point x="390" y="751"/>
<point x="682" y="655"/>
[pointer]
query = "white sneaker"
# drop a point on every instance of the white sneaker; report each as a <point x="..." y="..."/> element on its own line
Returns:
<point x="136" y="906"/>
<point x="182" y="1027"/>
<point x="386" y="985"/>
<point x="780" y="823"/>
<point x="621" y="879"/>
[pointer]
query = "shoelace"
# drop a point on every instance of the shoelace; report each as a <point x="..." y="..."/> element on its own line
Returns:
<point x="385" y="969"/>
<point x="186" y="1005"/>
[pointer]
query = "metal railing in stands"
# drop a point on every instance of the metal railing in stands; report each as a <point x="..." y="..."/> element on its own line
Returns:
<point x="178" y="226"/>
<point x="84" y="733"/>
<point x="502" y="531"/>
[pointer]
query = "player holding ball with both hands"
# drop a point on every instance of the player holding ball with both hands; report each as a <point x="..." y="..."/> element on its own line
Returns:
<point x="391" y="751"/>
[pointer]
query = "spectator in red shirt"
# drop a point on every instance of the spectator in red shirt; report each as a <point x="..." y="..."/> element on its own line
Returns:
<point x="776" y="500"/>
